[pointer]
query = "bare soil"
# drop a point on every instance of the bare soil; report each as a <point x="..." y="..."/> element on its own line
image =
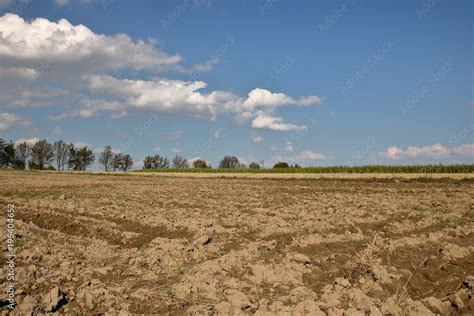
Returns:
<point x="207" y="244"/>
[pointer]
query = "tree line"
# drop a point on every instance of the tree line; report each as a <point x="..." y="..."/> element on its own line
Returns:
<point x="59" y="155"/>
<point x="62" y="156"/>
<point x="228" y="162"/>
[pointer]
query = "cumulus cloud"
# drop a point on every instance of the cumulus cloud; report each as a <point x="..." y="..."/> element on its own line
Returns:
<point x="85" y="68"/>
<point x="436" y="150"/>
<point x="262" y="98"/>
<point x="61" y="45"/>
<point x="176" y="150"/>
<point x="13" y="121"/>
<point x="274" y="123"/>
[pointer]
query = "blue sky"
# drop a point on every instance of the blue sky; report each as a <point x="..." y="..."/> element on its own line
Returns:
<point x="310" y="82"/>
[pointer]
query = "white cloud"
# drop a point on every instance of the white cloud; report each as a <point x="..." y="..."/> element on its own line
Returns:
<point x="255" y="137"/>
<point x="274" y="123"/>
<point x="464" y="150"/>
<point x="156" y="149"/>
<point x="175" y="150"/>
<point x="310" y="155"/>
<point x="29" y="141"/>
<point x="262" y="98"/>
<point x="436" y="150"/>
<point x="61" y="45"/>
<point x="85" y="66"/>
<point x="13" y="121"/>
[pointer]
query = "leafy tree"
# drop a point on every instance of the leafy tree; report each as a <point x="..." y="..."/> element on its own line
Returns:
<point x="61" y="153"/>
<point x="7" y="155"/>
<point x="84" y="158"/>
<point x="42" y="154"/>
<point x="180" y="162"/>
<point x="230" y="162"/>
<point x="155" y="162"/>
<point x="254" y="165"/>
<point x="127" y="163"/>
<point x="280" y="165"/>
<point x="116" y="162"/>
<point x="106" y="157"/>
<point x="2" y="151"/>
<point x="200" y="164"/>
<point x="22" y="153"/>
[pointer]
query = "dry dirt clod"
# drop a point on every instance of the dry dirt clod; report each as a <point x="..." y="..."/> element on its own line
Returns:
<point x="238" y="299"/>
<point x="343" y="282"/>
<point x="204" y="240"/>
<point x="300" y="258"/>
<point x="54" y="299"/>
<point x="436" y="306"/>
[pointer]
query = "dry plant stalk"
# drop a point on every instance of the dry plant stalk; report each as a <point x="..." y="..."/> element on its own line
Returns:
<point x="363" y="261"/>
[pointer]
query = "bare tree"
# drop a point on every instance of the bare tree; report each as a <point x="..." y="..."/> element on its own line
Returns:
<point x="180" y="162"/>
<point x="42" y="154"/>
<point x="127" y="163"/>
<point x="61" y="153"/>
<point x="22" y="153"/>
<point x="106" y="157"/>
<point x="71" y="156"/>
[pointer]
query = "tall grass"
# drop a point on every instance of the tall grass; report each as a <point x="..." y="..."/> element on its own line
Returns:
<point x="467" y="168"/>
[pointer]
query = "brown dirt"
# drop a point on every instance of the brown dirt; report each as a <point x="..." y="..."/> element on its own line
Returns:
<point x="221" y="245"/>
